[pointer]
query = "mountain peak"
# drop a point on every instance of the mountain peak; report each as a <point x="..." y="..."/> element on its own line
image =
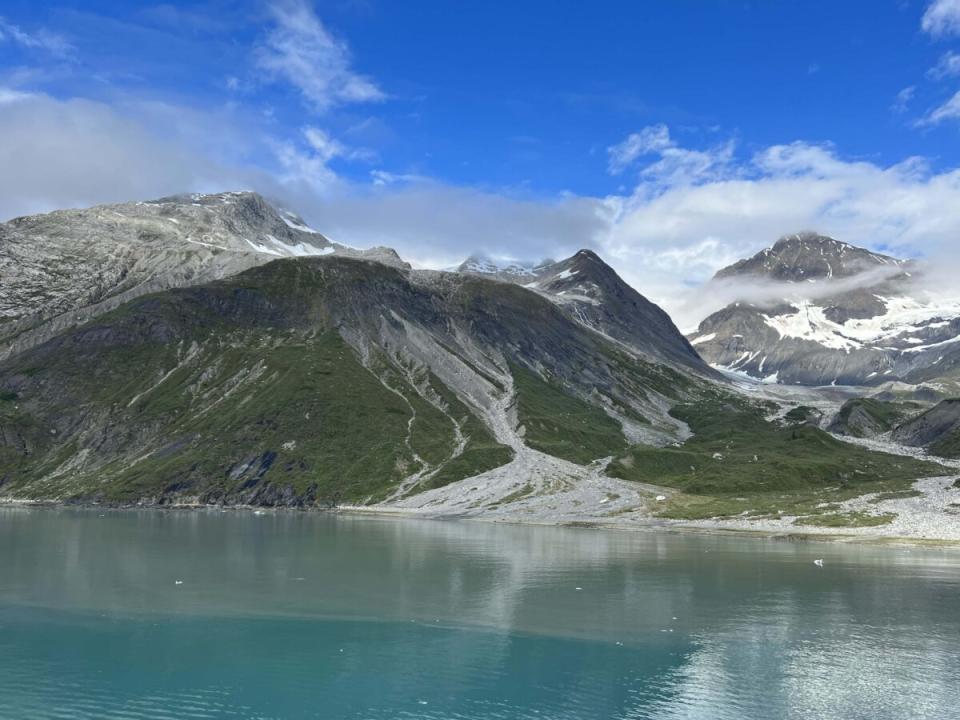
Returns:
<point x="808" y="256"/>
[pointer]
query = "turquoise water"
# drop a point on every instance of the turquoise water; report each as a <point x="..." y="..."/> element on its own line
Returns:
<point x="311" y="616"/>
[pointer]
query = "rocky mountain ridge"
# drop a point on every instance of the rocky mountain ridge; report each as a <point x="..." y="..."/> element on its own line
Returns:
<point x="62" y="268"/>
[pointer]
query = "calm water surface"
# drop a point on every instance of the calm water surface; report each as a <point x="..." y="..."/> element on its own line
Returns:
<point x="309" y="616"/>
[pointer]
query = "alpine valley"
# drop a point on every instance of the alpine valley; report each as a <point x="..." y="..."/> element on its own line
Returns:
<point x="215" y="350"/>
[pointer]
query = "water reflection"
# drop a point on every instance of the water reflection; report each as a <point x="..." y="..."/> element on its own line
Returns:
<point x="474" y="620"/>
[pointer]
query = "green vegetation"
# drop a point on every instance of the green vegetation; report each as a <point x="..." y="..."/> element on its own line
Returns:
<point x="738" y="463"/>
<point x="847" y="519"/>
<point x="947" y="447"/>
<point x="802" y="414"/>
<point x="312" y="416"/>
<point x="517" y="495"/>
<point x="896" y="495"/>
<point x="559" y="424"/>
<point x="284" y="414"/>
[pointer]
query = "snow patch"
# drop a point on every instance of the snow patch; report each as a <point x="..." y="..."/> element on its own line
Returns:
<point x="904" y="316"/>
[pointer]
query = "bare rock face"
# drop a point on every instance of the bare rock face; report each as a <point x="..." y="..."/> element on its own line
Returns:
<point x="65" y="267"/>
<point x="831" y="313"/>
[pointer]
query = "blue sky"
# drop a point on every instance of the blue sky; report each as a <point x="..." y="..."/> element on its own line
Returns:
<point x="673" y="136"/>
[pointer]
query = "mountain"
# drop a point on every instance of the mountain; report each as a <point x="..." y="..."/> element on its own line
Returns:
<point x="592" y="293"/>
<point x="816" y="311"/>
<point x="319" y="374"/>
<point x="65" y="267"/>
<point x="309" y="378"/>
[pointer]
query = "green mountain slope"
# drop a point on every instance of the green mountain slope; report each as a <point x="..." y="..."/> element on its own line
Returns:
<point x="299" y="382"/>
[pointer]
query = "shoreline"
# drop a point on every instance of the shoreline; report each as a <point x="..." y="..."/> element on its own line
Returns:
<point x="649" y="525"/>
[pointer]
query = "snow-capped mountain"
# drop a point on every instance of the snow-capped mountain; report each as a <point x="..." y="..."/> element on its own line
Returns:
<point x="816" y="311"/>
<point x="62" y="268"/>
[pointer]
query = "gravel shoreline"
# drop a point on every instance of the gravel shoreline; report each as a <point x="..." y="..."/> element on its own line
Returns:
<point x="540" y="489"/>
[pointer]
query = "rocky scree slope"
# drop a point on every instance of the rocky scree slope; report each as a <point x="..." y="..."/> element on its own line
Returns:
<point x="832" y="314"/>
<point x="65" y="267"/>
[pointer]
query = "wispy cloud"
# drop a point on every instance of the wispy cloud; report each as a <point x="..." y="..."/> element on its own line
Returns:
<point x="36" y="40"/>
<point x="653" y="139"/>
<point x="301" y="51"/>
<point x="950" y="110"/>
<point x="901" y="103"/>
<point x="948" y="66"/>
<point x="670" y="164"/>
<point x="942" y="18"/>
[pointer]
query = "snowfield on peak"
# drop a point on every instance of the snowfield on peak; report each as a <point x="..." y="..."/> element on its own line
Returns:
<point x="896" y="328"/>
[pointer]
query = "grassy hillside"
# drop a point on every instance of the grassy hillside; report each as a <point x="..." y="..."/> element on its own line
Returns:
<point x="559" y="424"/>
<point x="240" y="392"/>
<point x="740" y="462"/>
<point x="262" y="416"/>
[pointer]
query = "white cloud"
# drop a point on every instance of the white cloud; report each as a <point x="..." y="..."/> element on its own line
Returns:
<point x="384" y="177"/>
<point x="902" y="102"/>
<point x="39" y="40"/>
<point x="950" y="110"/>
<point x="672" y="165"/>
<point x="307" y="162"/>
<point x="948" y="66"/>
<point x="325" y="147"/>
<point x="942" y="18"/>
<point x="301" y="51"/>
<point x="653" y="139"/>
